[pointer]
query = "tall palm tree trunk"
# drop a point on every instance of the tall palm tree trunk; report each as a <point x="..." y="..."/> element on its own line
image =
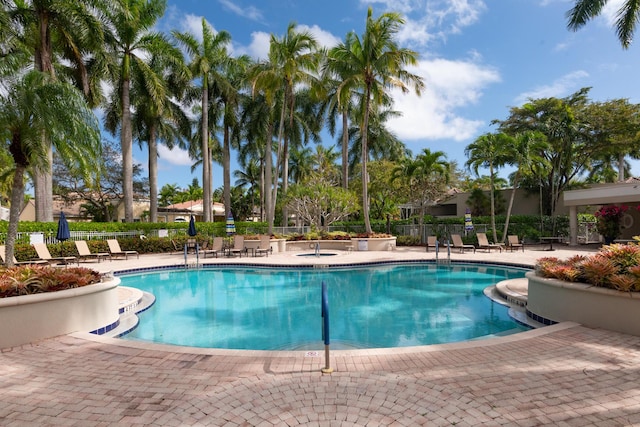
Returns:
<point x="345" y="150"/>
<point x="281" y="143"/>
<point x="17" y="192"/>
<point x="226" y="172"/>
<point x="206" y="161"/>
<point x="43" y="178"/>
<point x="516" y="179"/>
<point x="365" y="157"/>
<point x="493" y="205"/>
<point x="268" y="172"/>
<point x="126" y="138"/>
<point x="153" y="175"/>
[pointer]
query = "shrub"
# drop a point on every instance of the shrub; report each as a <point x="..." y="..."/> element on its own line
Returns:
<point x="33" y="279"/>
<point x="614" y="266"/>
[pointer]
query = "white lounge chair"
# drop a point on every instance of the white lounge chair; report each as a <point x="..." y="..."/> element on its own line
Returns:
<point x="44" y="254"/>
<point x="114" y="249"/>
<point x="85" y="253"/>
<point x="483" y="243"/>
<point x="264" y="247"/>
<point x="458" y="244"/>
<point x="3" y="250"/>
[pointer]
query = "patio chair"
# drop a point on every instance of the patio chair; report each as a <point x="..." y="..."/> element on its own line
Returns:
<point x="514" y="243"/>
<point x="85" y="253"/>
<point x="431" y="242"/>
<point x="43" y="252"/>
<point x="264" y="247"/>
<point x="457" y="243"/>
<point x="215" y="248"/>
<point x="16" y="262"/>
<point x="114" y="250"/>
<point x="238" y="246"/>
<point x="483" y="243"/>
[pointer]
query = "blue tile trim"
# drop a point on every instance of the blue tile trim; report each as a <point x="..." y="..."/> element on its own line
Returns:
<point x="540" y="319"/>
<point x="105" y="329"/>
<point x="312" y="266"/>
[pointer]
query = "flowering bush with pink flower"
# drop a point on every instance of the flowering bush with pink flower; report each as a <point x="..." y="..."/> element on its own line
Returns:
<point x="608" y="220"/>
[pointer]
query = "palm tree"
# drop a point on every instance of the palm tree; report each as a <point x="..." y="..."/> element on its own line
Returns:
<point x="626" y="18"/>
<point x="65" y="29"/>
<point x="426" y="175"/>
<point x="372" y="65"/>
<point x="229" y="92"/>
<point x="131" y="42"/>
<point x="250" y="175"/>
<point x="37" y="106"/>
<point x="490" y="150"/>
<point x="161" y="119"/>
<point x="207" y="62"/>
<point x="292" y="61"/>
<point x="524" y="154"/>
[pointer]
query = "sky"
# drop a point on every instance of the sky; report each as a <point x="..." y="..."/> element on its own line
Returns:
<point x="478" y="58"/>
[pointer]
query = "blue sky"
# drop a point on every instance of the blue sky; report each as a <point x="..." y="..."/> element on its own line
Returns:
<point x="478" y="58"/>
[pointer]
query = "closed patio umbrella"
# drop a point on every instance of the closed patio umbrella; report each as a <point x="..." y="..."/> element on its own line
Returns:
<point x="468" y="224"/>
<point x="192" y="227"/>
<point x="231" y="225"/>
<point x="63" y="228"/>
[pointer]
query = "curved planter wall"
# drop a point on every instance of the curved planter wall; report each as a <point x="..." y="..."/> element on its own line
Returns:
<point x="586" y="304"/>
<point x="29" y="318"/>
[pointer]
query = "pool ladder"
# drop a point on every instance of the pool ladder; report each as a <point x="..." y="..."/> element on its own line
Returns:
<point x="447" y="260"/>
<point x="188" y="265"/>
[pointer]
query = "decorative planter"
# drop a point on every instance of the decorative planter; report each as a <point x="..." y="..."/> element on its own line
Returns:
<point x="307" y="245"/>
<point x="29" y="318"/>
<point x="374" y="244"/>
<point x="355" y="244"/>
<point x="589" y="305"/>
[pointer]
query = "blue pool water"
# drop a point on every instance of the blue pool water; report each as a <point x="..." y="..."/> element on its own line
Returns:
<point x="279" y="309"/>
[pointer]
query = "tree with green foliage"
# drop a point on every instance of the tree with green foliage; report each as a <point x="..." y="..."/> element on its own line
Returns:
<point x="292" y="64"/>
<point x="373" y="64"/>
<point x="207" y="61"/>
<point x="130" y="45"/>
<point x="320" y="203"/>
<point x="524" y="155"/>
<point x="575" y="135"/>
<point x="490" y="151"/>
<point x="103" y="189"/>
<point x="36" y="106"/>
<point x="626" y="18"/>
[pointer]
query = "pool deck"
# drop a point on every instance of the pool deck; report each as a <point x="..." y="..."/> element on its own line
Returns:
<point x="561" y="375"/>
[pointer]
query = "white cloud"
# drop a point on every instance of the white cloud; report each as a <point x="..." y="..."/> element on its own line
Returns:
<point x="258" y="48"/>
<point x="449" y="85"/>
<point x="249" y="12"/>
<point x="176" y="156"/>
<point x="324" y="38"/>
<point x="558" y="87"/>
<point x="433" y="19"/>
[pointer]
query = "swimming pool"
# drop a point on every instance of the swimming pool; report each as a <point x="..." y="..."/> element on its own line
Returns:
<point x="279" y="308"/>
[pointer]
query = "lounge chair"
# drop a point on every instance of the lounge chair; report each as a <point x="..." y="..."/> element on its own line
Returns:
<point x="44" y="254"/>
<point x="238" y="246"/>
<point x="114" y="249"/>
<point x="215" y="248"/>
<point x="513" y="243"/>
<point x="431" y="242"/>
<point x="264" y="247"/>
<point x="458" y="244"/>
<point x="85" y="253"/>
<point x="483" y="243"/>
<point x="3" y="250"/>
